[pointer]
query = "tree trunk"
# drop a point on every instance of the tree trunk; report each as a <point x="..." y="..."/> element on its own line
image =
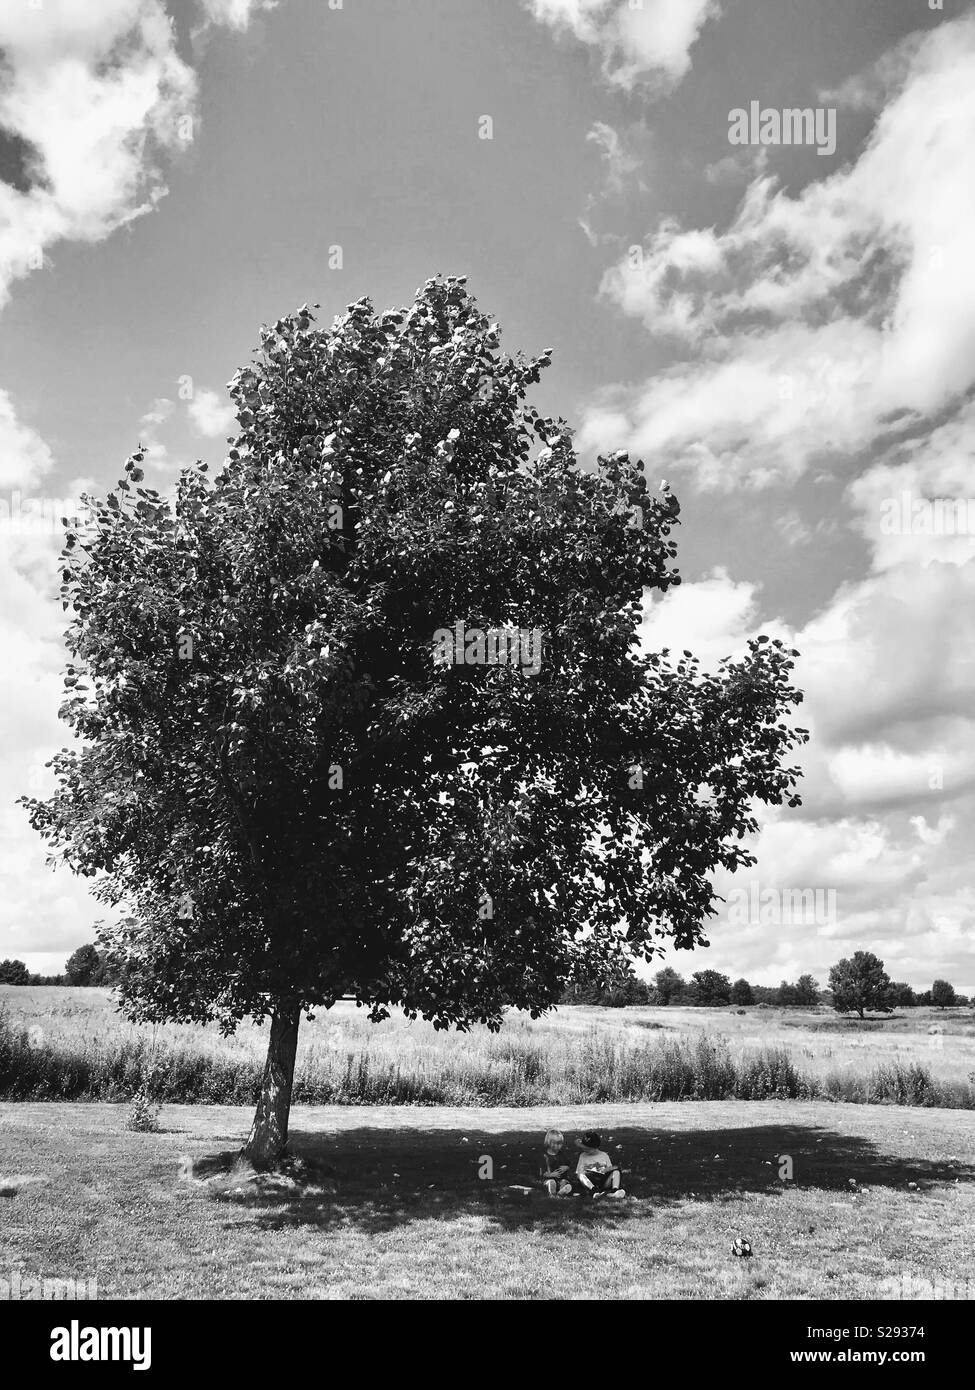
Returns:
<point x="268" y="1138"/>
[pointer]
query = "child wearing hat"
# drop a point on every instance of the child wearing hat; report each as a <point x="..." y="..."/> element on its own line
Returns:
<point x="596" y="1173"/>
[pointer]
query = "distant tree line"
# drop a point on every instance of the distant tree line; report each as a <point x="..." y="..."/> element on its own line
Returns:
<point x="857" y="985"/>
<point x="86" y="966"/>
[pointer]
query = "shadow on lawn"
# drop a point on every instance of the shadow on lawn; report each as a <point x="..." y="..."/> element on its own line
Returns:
<point x="377" y="1179"/>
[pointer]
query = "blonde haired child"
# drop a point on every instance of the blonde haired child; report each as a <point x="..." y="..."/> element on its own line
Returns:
<point x="556" y="1164"/>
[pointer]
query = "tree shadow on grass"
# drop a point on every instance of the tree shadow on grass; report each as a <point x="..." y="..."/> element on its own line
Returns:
<point x="378" y="1179"/>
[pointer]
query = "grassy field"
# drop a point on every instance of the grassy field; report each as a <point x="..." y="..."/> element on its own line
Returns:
<point x="63" y="1043"/>
<point x="881" y="1204"/>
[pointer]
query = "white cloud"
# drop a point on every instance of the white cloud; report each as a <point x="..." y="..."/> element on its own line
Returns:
<point x="917" y="503"/>
<point x="741" y="166"/>
<point x="818" y="320"/>
<point x="100" y="95"/>
<point x="236" y="14"/>
<point x="24" y="456"/>
<point x="210" y="414"/>
<point x="150" y="424"/>
<point x="888" y="673"/>
<point x="98" y="92"/>
<point x="619" y="164"/>
<point x="36" y="905"/>
<point x="713" y="618"/>
<point x="651" y="42"/>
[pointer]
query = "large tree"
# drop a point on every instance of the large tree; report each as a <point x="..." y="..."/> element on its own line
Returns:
<point x="860" y="982"/>
<point x="14" y="972"/>
<point x="285" y="782"/>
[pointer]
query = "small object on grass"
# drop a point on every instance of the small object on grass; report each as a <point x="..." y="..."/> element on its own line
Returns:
<point x="742" y="1248"/>
<point x="912" y="1186"/>
<point x="10" y="1186"/>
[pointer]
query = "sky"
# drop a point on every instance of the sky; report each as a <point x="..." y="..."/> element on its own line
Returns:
<point x="784" y="331"/>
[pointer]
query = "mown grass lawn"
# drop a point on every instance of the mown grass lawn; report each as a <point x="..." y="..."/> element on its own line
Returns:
<point x="393" y="1207"/>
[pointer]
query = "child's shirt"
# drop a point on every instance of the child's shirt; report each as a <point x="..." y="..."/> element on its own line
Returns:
<point x="550" y="1162"/>
<point x="593" y="1158"/>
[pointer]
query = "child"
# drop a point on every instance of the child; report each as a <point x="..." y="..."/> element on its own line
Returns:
<point x="556" y="1166"/>
<point x="595" y="1170"/>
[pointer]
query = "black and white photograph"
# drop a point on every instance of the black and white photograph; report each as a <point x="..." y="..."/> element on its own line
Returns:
<point x="487" y="668"/>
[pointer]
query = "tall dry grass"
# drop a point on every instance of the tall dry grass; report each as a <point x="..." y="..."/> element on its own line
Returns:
<point x="521" y="1066"/>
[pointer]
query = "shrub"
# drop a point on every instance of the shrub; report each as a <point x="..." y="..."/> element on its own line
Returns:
<point x="144" y="1114"/>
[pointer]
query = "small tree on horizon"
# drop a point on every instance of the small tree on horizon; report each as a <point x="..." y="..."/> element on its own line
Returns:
<point x="742" y="992"/>
<point x="807" y="990"/>
<point x="14" y="972"/>
<point x="859" y="983"/>
<point x="943" y="995"/>
<point x="668" y="984"/>
<point x="286" y="782"/>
